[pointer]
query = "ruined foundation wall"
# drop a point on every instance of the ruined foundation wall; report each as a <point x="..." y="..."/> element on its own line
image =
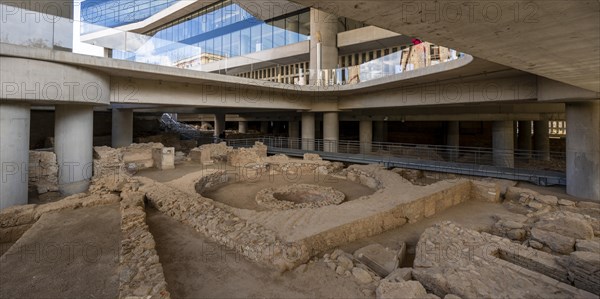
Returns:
<point x="140" y="271"/>
<point x="43" y="171"/>
<point x="398" y="216"/>
<point x="250" y="240"/>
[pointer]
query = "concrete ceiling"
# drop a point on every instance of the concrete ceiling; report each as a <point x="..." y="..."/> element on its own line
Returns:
<point x="557" y="39"/>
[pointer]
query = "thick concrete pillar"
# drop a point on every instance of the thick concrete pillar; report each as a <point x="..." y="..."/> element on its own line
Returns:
<point x="243" y="127"/>
<point x="323" y="44"/>
<point x="583" y="150"/>
<point x="219" y="124"/>
<point x="541" y="139"/>
<point x="122" y="127"/>
<point x="73" y="142"/>
<point x="380" y="131"/>
<point x="331" y="131"/>
<point x="503" y="144"/>
<point x="14" y="154"/>
<point x="524" y="140"/>
<point x="264" y="127"/>
<point x="308" y="131"/>
<point x="365" y="128"/>
<point x="294" y="134"/>
<point x="453" y="139"/>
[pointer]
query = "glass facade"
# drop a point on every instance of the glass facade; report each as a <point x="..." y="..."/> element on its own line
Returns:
<point x="114" y="13"/>
<point x="223" y="29"/>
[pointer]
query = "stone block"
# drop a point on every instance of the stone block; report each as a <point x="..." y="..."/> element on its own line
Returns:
<point x="485" y="191"/>
<point x="556" y="242"/>
<point x="404" y="289"/>
<point x="378" y="258"/>
<point x="164" y="158"/>
<point x="588" y="245"/>
<point x="400" y="274"/>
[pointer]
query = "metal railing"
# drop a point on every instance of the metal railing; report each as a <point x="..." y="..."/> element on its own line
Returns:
<point x="545" y="168"/>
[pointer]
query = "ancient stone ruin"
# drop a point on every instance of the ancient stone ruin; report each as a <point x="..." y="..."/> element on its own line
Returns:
<point x="322" y="220"/>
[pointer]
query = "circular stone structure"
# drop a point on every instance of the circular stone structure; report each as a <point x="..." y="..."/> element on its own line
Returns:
<point x="298" y="196"/>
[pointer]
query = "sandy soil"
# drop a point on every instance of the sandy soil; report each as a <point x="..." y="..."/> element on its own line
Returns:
<point x="196" y="268"/>
<point x="69" y="254"/>
<point x="241" y="194"/>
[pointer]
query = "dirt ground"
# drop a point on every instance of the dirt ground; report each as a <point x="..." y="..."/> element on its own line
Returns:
<point x="68" y="254"/>
<point x="197" y="268"/>
<point x="242" y="194"/>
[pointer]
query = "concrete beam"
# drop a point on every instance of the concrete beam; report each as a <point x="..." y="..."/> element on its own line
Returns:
<point x="138" y="91"/>
<point x="42" y="82"/>
<point x="480" y="91"/>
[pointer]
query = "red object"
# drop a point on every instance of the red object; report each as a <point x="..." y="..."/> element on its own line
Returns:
<point x="416" y="41"/>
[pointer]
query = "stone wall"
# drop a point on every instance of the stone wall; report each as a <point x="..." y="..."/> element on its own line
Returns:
<point x="220" y="225"/>
<point x="140" y="154"/>
<point x="485" y="191"/>
<point x="43" y="171"/>
<point x="321" y="196"/>
<point x="583" y="270"/>
<point x="242" y="157"/>
<point x="140" y="272"/>
<point x="401" y="214"/>
<point x="218" y="152"/>
<point x="211" y="180"/>
<point x="115" y="161"/>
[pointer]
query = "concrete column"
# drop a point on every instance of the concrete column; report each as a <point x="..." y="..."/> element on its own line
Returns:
<point x="365" y="136"/>
<point x="583" y="150"/>
<point x="73" y="142"/>
<point x="453" y="139"/>
<point x="380" y="131"/>
<point x="503" y="144"/>
<point x="264" y="127"/>
<point x="122" y="127"/>
<point x="219" y="126"/>
<point x="294" y="134"/>
<point x="308" y="131"/>
<point x="14" y="154"/>
<point x="524" y="140"/>
<point x="243" y="127"/>
<point x="331" y="131"/>
<point x="541" y="139"/>
<point x="323" y="43"/>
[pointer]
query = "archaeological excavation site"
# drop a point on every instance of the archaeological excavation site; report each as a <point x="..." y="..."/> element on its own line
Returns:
<point x="230" y="222"/>
<point x="348" y="149"/>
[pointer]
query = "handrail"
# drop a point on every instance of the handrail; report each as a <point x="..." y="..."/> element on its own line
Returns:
<point x="524" y="159"/>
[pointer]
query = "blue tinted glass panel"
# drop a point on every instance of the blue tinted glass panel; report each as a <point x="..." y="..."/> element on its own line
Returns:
<point x="267" y="36"/>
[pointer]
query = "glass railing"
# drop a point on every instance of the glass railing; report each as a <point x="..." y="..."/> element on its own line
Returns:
<point x="153" y="50"/>
<point x="33" y="29"/>
<point x="409" y="59"/>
